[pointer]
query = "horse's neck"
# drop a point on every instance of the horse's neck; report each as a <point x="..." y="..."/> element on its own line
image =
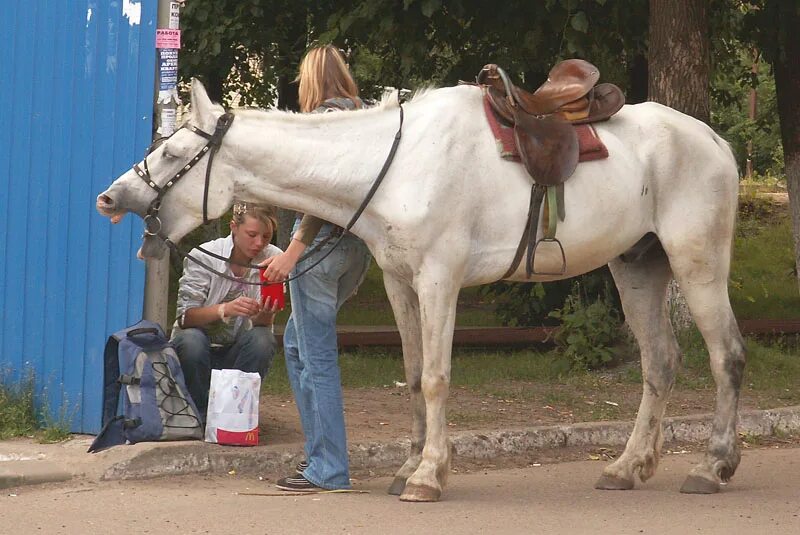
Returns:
<point x="297" y="163"/>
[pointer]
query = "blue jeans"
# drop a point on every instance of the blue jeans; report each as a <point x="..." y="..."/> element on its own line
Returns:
<point x="252" y="351"/>
<point x="312" y="357"/>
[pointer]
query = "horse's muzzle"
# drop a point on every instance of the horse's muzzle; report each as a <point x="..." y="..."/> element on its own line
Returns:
<point x="108" y="208"/>
<point x="105" y="205"/>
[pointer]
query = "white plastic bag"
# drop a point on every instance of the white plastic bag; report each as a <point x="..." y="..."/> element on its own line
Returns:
<point x="233" y="408"/>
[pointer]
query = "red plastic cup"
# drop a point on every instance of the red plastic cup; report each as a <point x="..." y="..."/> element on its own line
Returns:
<point x="274" y="291"/>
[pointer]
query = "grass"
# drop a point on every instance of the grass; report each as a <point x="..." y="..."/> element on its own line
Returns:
<point x="17" y="409"/>
<point x="378" y="367"/>
<point x="20" y="416"/>
<point x="763" y="282"/>
<point x="772" y="369"/>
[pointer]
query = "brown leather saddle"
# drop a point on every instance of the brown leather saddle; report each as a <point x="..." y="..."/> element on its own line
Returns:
<point x="545" y="138"/>
<point x="543" y="120"/>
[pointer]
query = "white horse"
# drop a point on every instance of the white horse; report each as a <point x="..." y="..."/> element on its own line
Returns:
<point x="450" y="214"/>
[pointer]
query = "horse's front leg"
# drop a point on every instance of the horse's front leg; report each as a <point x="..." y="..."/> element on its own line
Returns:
<point x="405" y="306"/>
<point x="437" y="300"/>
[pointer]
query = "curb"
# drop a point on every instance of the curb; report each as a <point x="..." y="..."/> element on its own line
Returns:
<point x="18" y="473"/>
<point x="201" y="458"/>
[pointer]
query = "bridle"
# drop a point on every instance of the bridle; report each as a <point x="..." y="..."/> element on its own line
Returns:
<point x="152" y="223"/>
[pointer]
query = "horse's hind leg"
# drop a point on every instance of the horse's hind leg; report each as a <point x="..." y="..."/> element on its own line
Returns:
<point x="405" y="306"/>
<point x="701" y="270"/>
<point x="642" y="287"/>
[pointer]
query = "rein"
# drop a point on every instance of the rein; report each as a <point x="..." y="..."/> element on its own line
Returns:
<point x="213" y="145"/>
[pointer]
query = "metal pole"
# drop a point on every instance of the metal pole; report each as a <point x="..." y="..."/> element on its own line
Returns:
<point x="156" y="286"/>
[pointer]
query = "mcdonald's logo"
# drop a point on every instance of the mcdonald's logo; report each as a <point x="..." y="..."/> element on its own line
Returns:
<point x="250" y="437"/>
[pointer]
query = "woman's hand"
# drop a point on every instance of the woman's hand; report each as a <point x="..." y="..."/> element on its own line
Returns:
<point x="277" y="268"/>
<point x="241" y="306"/>
<point x="266" y="315"/>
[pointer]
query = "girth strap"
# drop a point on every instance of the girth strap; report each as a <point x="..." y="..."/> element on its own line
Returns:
<point x="529" y="234"/>
<point x="550" y="214"/>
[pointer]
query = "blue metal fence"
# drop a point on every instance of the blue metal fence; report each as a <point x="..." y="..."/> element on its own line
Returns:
<point x="76" y="97"/>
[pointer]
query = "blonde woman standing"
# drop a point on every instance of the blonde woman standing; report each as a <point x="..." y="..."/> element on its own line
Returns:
<point x="312" y="358"/>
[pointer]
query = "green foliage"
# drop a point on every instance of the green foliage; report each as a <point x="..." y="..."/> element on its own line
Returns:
<point x="530" y="303"/>
<point x="730" y="113"/>
<point x="254" y="46"/>
<point x="17" y="408"/>
<point x="589" y="330"/>
<point x="763" y="282"/>
<point x="433" y="42"/>
<point x="19" y="415"/>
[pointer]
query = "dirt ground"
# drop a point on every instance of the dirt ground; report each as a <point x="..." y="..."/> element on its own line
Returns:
<point x="385" y="413"/>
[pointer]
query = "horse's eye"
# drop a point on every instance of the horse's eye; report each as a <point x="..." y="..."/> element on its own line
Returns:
<point x="166" y="153"/>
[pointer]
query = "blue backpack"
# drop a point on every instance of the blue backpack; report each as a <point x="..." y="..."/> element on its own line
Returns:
<point x="144" y="393"/>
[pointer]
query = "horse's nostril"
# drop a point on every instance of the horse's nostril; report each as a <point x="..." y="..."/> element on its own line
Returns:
<point x="106" y="200"/>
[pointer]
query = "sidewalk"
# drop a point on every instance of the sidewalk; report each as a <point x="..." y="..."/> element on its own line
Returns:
<point x="24" y="462"/>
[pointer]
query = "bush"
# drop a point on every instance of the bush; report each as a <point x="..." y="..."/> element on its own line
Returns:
<point x="530" y="303"/>
<point x="589" y="330"/>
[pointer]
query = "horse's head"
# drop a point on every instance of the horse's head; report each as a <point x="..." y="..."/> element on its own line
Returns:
<point x="167" y="188"/>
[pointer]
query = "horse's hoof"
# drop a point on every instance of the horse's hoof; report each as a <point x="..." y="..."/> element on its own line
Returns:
<point x="699" y="485"/>
<point x="420" y="493"/>
<point x="607" y="482"/>
<point x="398" y="486"/>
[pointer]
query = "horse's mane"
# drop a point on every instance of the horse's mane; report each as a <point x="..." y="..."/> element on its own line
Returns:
<point x="389" y="101"/>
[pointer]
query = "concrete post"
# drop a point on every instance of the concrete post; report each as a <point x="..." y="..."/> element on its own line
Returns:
<point x="156" y="286"/>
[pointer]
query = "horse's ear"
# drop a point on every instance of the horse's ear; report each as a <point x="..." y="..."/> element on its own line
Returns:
<point x="204" y="112"/>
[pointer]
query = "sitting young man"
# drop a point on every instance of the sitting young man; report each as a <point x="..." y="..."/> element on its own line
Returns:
<point x="222" y="323"/>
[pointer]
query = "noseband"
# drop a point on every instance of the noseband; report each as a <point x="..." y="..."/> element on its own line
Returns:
<point x="152" y="223"/>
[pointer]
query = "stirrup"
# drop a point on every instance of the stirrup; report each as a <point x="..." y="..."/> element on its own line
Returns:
<point x="563" y="257"/>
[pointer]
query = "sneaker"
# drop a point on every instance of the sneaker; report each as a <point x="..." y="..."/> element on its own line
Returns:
<point x="297" y="484"/>
<point x="301" y="467"/>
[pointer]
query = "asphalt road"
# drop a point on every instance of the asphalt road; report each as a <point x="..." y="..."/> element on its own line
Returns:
<point x="764" y="497"/>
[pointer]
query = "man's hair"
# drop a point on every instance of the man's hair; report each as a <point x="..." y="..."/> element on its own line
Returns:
<point x="265" y="214"/>
<point x="324" y="74"/>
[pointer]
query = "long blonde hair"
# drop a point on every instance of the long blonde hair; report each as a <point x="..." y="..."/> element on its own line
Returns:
<point x="324" y="74"/>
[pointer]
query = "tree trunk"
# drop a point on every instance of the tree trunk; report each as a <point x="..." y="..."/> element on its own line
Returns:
<point x="679" y="58"/>
<point x="679" y="62"/>
<point x="786" y="66"/>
